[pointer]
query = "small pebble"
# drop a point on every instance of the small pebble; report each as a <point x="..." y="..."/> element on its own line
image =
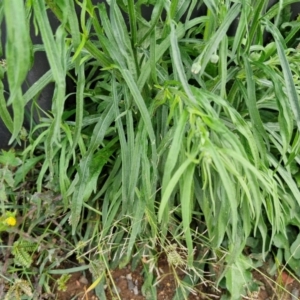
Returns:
<point x="131" y="286"/>
<point x="135" y="290"/>
<point x="295" y="293"/>
<point x="83" y="280"/>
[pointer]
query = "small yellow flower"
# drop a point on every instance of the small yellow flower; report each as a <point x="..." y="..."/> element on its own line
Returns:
<point x="11" y="221"/>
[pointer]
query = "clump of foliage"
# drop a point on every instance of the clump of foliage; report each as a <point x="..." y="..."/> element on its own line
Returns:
<point x="182" y="139"/>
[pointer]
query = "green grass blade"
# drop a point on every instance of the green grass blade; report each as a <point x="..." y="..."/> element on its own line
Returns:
<point x="257" y="125"/>
<point x="170" y="188"/>
<point x="55" y="50"/>
<point x="18" y="58"/>
<point x="187" y="208"/>
<point x="84" y="172"/>
<point x="287" y="75"/>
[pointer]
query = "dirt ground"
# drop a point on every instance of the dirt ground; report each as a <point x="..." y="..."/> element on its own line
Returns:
<point x="128" y="286"/>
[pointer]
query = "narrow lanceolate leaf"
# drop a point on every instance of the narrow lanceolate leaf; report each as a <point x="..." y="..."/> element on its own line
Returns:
<point x="174" y="150"/>
<point x="73" y="23"/>
<point x="143" y="110"/>
<point x="136" y="228"/>
<point x="18" y="55"/>
<point x="85" y="172"/>
<point x="48" y="39"/>
<point x="160" y="50"/>
<point x="122" y="38"/>
<point x="79" y="102"/>
<point x="287" y="74"/>
<point x="230" y="196"/>
<point x="215" y="40"/>
<point x="125" y="153"/>
<point x="285" y="118"/>
<point x="5" y="116"/>
<point x="178" y="66"/>
<point x="187" y="195"/>
<point x="250" y="98"/>
<point x="112" y="47"/>
<point x="18" y="45"/>
<point x="170" y="188"/>
<point x="169" y="184"/>
<point x="80" y="70"/>
<point x="55" y="51"/>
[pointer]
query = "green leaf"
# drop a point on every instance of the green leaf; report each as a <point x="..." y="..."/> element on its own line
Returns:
<point x="237" y="277"/>
<point x="286" y="70"/>
<point x="8" y="158"/>
<point x="187" y="208"/>
<point x="21" y="250"/>
<point x="26" y="167"/>
<point x="18" y="58"/>
<point x="295" y="248"/>
<point x="85" y="172"/>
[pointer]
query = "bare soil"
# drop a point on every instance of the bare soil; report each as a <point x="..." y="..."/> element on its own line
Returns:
<point x="128" y="284"/>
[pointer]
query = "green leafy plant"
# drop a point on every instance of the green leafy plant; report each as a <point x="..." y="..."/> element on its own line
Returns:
<point x="21" y="251"/>
<point x="62" y="281"/>
<point x="18" y="289"/>
<point x="180" y="134"/>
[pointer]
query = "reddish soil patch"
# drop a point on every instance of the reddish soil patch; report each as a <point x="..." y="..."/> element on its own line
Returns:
<point x="281" y="287"/>
<point x="128" y="285"/>
<point x="76" y="287"/>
